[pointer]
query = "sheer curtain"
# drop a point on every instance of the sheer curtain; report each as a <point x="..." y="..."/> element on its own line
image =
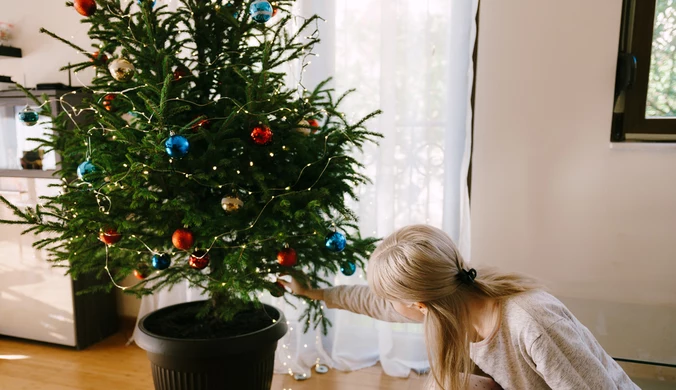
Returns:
<point x="413" y="60"/>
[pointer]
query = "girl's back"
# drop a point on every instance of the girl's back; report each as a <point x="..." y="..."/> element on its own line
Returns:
<point x="539" y="344"/>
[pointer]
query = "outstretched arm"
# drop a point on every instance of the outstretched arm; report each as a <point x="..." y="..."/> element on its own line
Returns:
<point x="361" y="300"/>
<point x="355" y="298"/>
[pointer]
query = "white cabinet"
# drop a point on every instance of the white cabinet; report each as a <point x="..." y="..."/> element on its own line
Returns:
<point x="36" y="300"/>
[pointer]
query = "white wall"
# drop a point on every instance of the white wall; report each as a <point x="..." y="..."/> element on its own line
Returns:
<point x="549" y="195"/>
<point x="43" y="56"/>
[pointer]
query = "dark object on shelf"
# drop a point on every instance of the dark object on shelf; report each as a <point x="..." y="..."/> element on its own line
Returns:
<point x="32" y="159"/>
<point x="9" y="51"/>
<point x="5" y="79"/>
<point x="237" y="362"/>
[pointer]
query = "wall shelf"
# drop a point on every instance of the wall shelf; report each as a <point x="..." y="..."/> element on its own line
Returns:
<point x="28" y="173"/>
<point x="9" y="51"/>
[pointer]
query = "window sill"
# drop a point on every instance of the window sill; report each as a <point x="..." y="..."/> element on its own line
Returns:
<point x="644" y="146"/>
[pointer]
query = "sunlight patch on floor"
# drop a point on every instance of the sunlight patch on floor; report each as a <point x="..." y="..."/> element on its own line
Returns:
<point x="14" y="357"/>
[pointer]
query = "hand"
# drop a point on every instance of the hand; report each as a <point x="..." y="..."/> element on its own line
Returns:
<point x="299" y="288"/>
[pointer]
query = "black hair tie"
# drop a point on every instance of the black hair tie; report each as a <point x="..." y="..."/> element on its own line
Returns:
<point x="467" y="276"/>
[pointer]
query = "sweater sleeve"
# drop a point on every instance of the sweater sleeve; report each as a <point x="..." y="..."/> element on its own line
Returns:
<point x="359" y="299"/>
<point x="565" y="361"/>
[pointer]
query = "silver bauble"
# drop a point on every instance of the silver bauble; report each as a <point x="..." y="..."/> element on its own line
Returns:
<point x="121" y="69"/>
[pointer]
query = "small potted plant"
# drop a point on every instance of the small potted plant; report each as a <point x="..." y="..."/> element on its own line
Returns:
<point x="5" y="33"/>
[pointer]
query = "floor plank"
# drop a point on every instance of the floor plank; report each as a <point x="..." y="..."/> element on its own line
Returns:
<point x="113" y="365"/>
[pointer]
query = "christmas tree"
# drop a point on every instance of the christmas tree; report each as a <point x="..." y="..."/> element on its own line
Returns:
<point x="193" y="159"/>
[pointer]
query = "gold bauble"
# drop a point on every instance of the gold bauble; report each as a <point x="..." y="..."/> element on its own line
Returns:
<point x="305" y="129"/>
<point x="231" y="203"/>
<point x="121" y="69"/>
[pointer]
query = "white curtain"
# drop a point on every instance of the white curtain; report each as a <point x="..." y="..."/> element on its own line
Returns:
<point x="413" y="60"/>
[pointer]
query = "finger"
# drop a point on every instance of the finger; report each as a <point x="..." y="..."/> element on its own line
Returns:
<point x="284" y="283"/>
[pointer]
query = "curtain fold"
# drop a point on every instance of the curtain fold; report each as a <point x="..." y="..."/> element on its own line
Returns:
<point x="413" y="60"/>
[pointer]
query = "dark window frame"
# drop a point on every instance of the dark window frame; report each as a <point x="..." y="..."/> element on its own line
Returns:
<point x="472" y="101"/>
<point x="633" y="75"/>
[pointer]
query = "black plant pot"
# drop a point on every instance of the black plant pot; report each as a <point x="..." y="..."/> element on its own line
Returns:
<point x="242" y="362"/>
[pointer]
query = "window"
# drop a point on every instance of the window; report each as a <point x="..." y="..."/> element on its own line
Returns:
<point x="645" y="86"/>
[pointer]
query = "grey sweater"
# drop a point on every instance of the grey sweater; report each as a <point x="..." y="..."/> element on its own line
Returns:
<point x="538" y="345"/>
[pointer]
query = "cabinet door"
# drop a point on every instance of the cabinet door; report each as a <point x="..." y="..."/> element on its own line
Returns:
<point x="36" y="300"/>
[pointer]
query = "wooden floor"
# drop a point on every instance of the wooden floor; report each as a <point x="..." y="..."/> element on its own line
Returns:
<point x="112" y="365"/>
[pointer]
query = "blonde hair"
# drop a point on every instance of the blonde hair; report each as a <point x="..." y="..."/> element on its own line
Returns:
<point x="420" y="263"/>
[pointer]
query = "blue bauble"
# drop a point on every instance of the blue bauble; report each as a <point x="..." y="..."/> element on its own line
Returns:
<point x="231" y="6"/>
<point x="140" y="2"/>
<point x="335" y="242"/>
<point x="161" y="261"/>
<point x="85" y="169"/>
<point x="29" y="117"/>
<point x="261" y="11"/>
<point x="348" y="268"/>
<point x="177" y="146"/>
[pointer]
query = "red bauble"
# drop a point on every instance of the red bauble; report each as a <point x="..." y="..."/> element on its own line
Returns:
<point x="110" y="236"/>
<point x="261" y="135"/>
<point x="85" y="7"/>
<point x="314" y="123"/>
<point x="201" y="124"/>
<point x="95" y="57"/>
<point x="199" y="260"/>
<point x="287" y="257"/>
<point x="108" y="101"/>
<point x="180" y="73"/>
<point x="278" y="291"/>
<point x="183" y="239"/>
<point x="274" y="11"/>
<point x="141" y="273"/>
